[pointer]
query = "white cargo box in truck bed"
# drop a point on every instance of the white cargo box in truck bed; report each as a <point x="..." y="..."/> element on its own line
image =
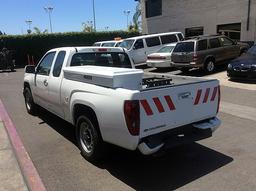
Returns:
<point x="121" y="106"/>
<point x="106" y="76"/>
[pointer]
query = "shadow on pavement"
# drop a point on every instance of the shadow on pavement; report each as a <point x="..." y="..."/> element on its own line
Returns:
<point x="62" y="127"/>
<point x="170" y="171"/>
<point x="166" y="171"/>
<point x="243" y="80"/>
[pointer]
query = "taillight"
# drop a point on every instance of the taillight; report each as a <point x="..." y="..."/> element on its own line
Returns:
<point x="132" y="116"/>
<point x="218" y="107"/>
<point x="195" y="57"/>
<point x="102" y="49"/>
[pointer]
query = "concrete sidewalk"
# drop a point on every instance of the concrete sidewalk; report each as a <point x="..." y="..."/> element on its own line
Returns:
<point x="17" y="171"/>
<point x="10" y="174"/>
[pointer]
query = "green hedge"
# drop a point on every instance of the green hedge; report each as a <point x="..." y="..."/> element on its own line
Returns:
<point x="38" y="44"/>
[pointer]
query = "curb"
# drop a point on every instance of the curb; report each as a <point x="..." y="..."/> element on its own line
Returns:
<point x="28" y="169"/>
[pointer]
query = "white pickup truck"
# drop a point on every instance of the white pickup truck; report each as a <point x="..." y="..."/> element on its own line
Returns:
<point x="98" y="91"/>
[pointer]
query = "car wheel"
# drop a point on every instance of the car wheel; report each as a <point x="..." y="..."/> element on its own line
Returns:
<point x="89" y="139"/>
<point x="29" y="102"/>
<point x="209" y="66"/>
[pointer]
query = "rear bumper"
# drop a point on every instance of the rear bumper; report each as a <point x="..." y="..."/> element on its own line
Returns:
<point x="178" y="136"/>
<point x="159" y="64"/>
<point x="187" y="65"/>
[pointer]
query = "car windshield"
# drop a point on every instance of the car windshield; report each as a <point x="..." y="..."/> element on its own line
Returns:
<point x="166" y="49"/>
<point x="108" y="44"/>
<point x="109" y="59"/>
<point x="184" y="47"/>
<point x="252" y="50"/>
<point x="127" y="44"/>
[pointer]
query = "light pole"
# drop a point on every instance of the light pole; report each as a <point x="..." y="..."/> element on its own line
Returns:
<point x="94" y="18"/>
<point x="49" y="11"/>
<point x="127" y="12"/>
<point x="29" y="22"/>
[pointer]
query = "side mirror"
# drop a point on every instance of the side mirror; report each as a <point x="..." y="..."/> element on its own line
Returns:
<point x="30" y="69"/>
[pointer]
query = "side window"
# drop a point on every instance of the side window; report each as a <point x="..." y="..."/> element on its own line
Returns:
<point x="44" y="67"/>
<point x="180" y="36"/>
<point x="226" y="42"/>
<point x="214" y="43"/>
<point x="166" y="39"/>
<point x="152" y="41"/>
<point x="58" y="64"/>
<point x="202" y="45"/>
<point x="138" y="44"/>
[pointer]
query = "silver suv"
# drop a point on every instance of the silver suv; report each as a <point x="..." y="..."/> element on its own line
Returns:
<point x="205" y="52"/>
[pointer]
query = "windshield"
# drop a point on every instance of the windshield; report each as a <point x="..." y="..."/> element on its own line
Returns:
<point x="108" y="44"/>
<point x="166" y="49"/>
<point x="184" y="47"/>
<point x="252" y="50"/>
<point x="109" y="59"/>
<point x="127" y="44"/>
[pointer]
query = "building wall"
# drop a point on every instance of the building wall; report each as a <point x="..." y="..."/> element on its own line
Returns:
<point x="180" y="14"/>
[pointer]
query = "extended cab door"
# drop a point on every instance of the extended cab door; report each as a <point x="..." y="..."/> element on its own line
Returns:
<point x="41" y="80"/>
<point x="54" y="85"/>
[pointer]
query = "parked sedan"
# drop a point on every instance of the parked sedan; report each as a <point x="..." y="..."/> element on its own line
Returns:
<point x="162" y="58"/>
<point x="244" y="66"/>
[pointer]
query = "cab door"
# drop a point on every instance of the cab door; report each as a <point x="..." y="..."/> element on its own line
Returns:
<point x="138" y="52"/>
<point x="42" y="79"/>
<point x="54" y="85"/>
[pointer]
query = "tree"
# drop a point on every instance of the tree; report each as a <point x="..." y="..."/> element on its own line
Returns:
<point x="1" y="33"/>
<point x="38" y="31"/>
<point x="136" y="26"/>
<point x="88" y="27"/>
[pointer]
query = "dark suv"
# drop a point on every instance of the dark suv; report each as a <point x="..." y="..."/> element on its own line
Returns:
<point x="205" y="52"/>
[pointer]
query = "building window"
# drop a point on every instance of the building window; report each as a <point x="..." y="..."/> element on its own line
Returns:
<point x="233" y="31"/>
<point x="153" y="8"/>
<point x="194" y="31"/>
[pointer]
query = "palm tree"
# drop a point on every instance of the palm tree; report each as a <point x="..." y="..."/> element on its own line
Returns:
<point x="38" y="31"/>
<point x="137" y="17"/>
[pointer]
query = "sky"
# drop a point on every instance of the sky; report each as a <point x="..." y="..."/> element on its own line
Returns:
<point x="67" y="15"/>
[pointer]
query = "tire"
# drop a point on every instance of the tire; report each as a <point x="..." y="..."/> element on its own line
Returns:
<point x="29" y="102"/>
<point x="209" y="66"/>
<point x="89" y="139"/>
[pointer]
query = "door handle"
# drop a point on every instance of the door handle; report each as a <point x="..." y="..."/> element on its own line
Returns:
<point x="45" y="83"/>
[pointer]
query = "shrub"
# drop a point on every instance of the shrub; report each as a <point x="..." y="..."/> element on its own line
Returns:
<point x="38" y="44"/>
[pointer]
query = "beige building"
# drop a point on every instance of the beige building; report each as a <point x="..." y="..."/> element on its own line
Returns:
<point x="235" y="18"/>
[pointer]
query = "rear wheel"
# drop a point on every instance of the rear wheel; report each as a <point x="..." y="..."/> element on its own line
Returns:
<point x="29" y="102"/>
<point x="89" y="139"/>
<point x="209" y="66"/>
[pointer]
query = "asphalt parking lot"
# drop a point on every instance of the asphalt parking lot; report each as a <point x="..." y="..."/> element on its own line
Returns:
<point x="224" y="162"/>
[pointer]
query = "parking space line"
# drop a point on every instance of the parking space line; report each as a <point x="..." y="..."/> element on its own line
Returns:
<point x="241" y="111"/>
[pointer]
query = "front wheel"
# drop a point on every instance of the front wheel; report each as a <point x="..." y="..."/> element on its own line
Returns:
<point x="89" y="139"/>
<point x="209" y="66"/>
<point x="29" y="102"/>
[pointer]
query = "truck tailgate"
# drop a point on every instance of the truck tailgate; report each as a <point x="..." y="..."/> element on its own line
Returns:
<point x="167" y="108"/>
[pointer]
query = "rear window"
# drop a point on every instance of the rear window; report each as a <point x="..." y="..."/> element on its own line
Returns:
<point x="202" y="45"/>
<point x="108" y="44"/>
<point x="214" y="43"/>
<point x="153" y="41"/>
<point x="184" y="47"/>
<point x="167" y="39"/>
<point x="166" y="49"/>
<point x="96" y="44"/>
<point x="108" y="59"/>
